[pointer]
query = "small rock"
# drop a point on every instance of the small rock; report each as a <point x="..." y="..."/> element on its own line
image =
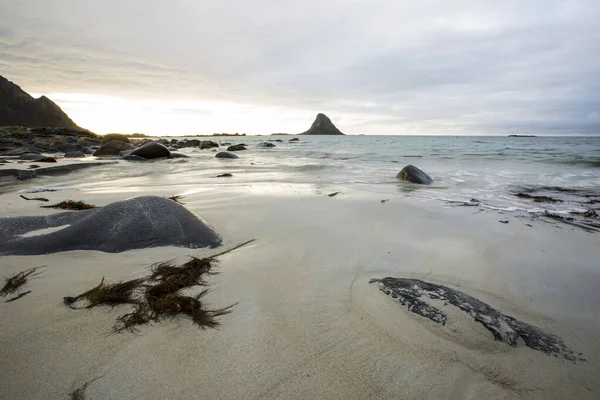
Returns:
<point x="413" y="174"/>
<point x="31" y="157"/>
<point x="226" y="154"/>
<point x="207" y="144"/>
<point x="237" y="147"/>
<point x="266" y="144"/>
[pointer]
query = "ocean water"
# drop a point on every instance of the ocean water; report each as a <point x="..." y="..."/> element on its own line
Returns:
<point x="490" y="170"/>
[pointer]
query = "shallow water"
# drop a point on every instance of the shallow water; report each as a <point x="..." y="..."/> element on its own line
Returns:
<point x="489" y="169"/>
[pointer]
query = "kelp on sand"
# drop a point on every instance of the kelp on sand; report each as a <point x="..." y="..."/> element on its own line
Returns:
<point x="158" y="295"/>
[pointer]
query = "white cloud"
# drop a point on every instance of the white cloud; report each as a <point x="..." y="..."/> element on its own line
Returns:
<point x="382" y="66"/>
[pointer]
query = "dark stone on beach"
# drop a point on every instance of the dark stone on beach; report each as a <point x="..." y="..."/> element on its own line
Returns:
<point x="414" y="293"/>
<point x="278" y="140"/>
<point x="113" y="148"/>
<point x="151" y="150"/>
<point x="63" y="147"/>
<point x="413" y="174"/>
<point x="294" y="140"/>
<point x="119" y="137"/>
<point x="225" y="175"/>
<point x="131" y="157"/>
<point x="174" y="154"/>
<point x="189" y="143"/>
<point x="237" y="147"/>
<point x="74" y="154"/>
<point x="226" y="154"/>
<point x="88" y="150"/>
<point x="322" y="126"/>
<point x="142" y="222"/>
<point x="31" y="157"/>
<point x="265" y="144"/>
<point x="208" y="144"/>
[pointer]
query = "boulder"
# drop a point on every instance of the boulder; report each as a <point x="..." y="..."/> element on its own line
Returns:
<point x="31" y="156"/>
<point x="207" y="144"/>
<point x="189" y="143"/>
<point x="74" y="154"/>
<point x="266" y="145"/>
<point x="113" y="148"/>
<point x="226" y="154"/>
<point x="119" y="137"/>
<point x="413" y="174"/>
<point x="294" y="140"/>
<point x="137" y="223"/>
<point x="237" y="147"/>
<point x="64" y="147"/>
<point x="151" y="150"/>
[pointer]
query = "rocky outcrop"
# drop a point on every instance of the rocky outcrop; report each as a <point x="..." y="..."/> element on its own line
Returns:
<point x="18" y="108"/>
<point x="413" y="174"/>
<point x="322" y="126"/>
<point x="142" y="222"/>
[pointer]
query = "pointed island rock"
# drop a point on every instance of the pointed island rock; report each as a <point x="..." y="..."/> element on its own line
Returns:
<point x="18" y="108"/>
<point x="322" y="126"/>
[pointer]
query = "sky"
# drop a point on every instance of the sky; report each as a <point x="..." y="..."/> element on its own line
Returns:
<point x="171" y="67"/>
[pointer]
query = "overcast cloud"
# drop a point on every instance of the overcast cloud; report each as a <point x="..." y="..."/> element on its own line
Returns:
<point x="375" y="67"/>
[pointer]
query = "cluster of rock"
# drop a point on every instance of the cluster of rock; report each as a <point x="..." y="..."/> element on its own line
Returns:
<point x="72" y="142"/>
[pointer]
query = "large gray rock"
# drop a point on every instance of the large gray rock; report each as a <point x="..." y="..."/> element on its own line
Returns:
<point x="226" y="154"/>
<point x="141" y="222"/>
<point x="413" y="174"/>
<point x="151" y="150"/>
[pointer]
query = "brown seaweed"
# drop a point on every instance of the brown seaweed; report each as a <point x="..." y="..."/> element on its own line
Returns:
<point x="71" y="205"/>
<point x="15" y="283"/>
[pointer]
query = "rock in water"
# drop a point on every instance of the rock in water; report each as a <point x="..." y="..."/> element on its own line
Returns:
<point x="151" y="150"/>
<point x="322" y="126"/>
<point x="413" y="174"/>
<point x="74" y="154"/>
<point x="138" y="223"/>
<point x="226" y="154"/>
<point x="237" y="147"/>
<point x="414" y="294"/>
<point x="265" y="145"/>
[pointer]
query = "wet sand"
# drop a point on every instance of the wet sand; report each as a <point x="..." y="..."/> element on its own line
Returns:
<point x="307" y="323"/>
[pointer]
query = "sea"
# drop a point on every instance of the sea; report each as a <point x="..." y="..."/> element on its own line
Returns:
<point x="488" y="170"/>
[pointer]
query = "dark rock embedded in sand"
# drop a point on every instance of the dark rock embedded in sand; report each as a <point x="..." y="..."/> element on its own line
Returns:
<point x="226" y="154"/>
<point x="413" y="174"/>
<point x="414" y="292"/>
<point x="141" y="222"/>
<point x="151" y="150"/>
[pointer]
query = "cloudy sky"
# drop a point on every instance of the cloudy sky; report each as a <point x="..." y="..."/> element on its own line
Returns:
<point x="262" y="66"/>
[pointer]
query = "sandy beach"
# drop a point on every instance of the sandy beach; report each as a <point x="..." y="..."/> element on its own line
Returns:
<point x="306" y="322"/>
